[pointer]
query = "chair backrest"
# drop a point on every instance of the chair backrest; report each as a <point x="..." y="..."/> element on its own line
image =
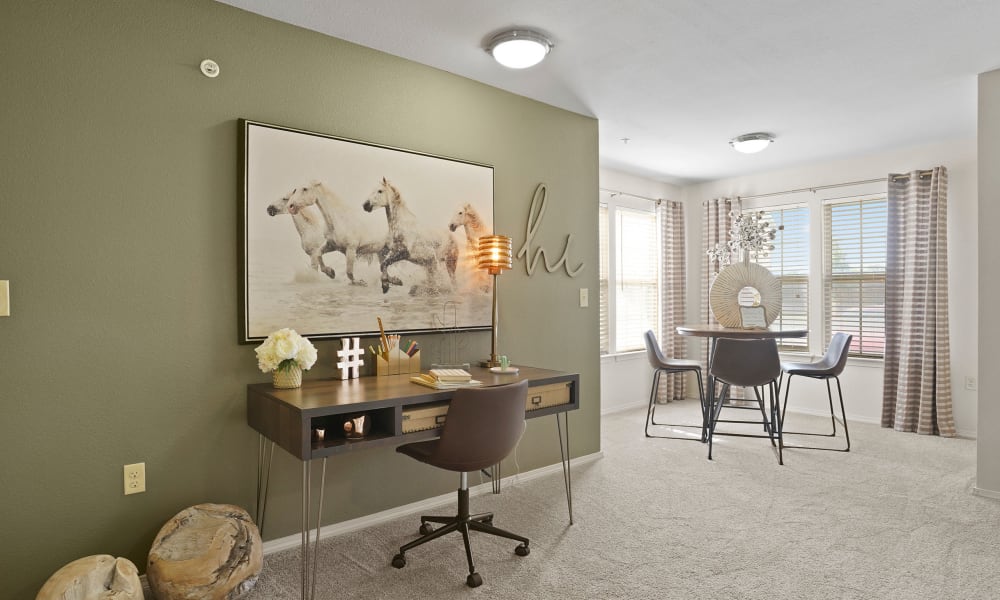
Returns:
<point x="653" y="352"/>
<point x="746" y="363"/>
<point x="483" y="426"/>
<point x="835" y="358"/>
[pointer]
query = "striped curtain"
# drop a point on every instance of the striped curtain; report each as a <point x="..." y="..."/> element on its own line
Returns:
<point x="916" y="393"/>
<point x="672" y="288"/>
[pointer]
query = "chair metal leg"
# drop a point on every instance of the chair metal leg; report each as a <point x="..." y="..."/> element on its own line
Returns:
<point x="833" y="418"/>
<point x="651" y="411"/>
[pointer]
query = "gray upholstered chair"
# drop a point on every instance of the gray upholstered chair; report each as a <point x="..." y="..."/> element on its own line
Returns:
<point x="483" y="426"/>
<point x="829" y="367"/>
<point x="747" y="363"/>
<point x="662" y="365"/>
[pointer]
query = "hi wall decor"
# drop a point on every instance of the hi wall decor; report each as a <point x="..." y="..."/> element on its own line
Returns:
<point x="338" y="231"/>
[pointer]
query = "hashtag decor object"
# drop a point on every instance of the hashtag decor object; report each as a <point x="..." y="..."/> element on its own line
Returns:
<point x="350" y="362"/>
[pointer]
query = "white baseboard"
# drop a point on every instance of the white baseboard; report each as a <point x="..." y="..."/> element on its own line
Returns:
<point x="421" y="506"/>
<point x="617" y="408"/>
<point x="993" y="494"/>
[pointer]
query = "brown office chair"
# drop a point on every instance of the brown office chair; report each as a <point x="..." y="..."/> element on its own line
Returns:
<point x="747" y="363"/>
<point x="663" y="365"/>
<point x="829" y="367"/>
<point x="483" y="426"/>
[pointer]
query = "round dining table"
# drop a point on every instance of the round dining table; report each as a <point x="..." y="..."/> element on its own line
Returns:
<point x="716" y="331"/>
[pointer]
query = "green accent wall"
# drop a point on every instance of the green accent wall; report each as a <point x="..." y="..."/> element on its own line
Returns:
<point x="119" y="232"/>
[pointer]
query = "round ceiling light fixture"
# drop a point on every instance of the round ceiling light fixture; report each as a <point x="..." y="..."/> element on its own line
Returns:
<point x="750" y="143"/>
<point x="519" y="48"/>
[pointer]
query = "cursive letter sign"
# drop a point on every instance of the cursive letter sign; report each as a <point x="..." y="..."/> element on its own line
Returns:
<point x="534" y="222"/>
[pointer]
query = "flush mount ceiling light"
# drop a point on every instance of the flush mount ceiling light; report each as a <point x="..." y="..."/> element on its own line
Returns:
<point x="751" y="142"/>
<point x="519" y="48"/>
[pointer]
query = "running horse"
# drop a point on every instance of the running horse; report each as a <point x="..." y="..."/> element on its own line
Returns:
<point x="409" y="241"/>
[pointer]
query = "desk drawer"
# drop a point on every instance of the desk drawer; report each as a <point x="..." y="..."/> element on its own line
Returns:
<point x="420" y="417"/>
<point x="547" y="395"/>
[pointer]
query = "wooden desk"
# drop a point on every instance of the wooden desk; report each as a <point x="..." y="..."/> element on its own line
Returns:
<point x="287" y="417"/>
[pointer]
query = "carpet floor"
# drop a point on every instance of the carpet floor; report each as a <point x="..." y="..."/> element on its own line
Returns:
<point x="893" y="518"/>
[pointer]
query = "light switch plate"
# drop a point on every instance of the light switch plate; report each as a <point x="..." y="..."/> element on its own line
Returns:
<point x="584" y="297"/>
<point x="4" y="298"/>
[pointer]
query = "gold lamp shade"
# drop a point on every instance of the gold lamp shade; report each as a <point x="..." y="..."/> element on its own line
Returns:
<point x="494" y="254"/>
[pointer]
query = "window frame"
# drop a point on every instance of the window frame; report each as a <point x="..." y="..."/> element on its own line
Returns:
<point x="815" y="200"/>
<point x="615" y="202"/>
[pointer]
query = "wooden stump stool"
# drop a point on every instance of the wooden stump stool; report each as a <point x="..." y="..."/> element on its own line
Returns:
<point x="98" y="577"/>
<point x="205" y="552"/>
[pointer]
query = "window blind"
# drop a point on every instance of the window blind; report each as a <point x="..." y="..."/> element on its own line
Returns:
<point x="603" y="278"/>
<point x="854" y="257"/>
<point x="789" y="262"/>
<point x="637" y="283"/>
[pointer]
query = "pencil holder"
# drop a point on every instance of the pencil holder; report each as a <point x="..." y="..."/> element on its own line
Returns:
<point x="396" y="362"/>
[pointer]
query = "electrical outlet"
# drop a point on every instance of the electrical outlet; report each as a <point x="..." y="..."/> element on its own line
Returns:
<point x="584" y="297"/>
<point x="971" y="383"/>
<point x="135" y="478"/>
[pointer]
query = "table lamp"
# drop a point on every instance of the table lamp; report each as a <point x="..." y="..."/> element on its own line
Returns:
<point x="494" y="255"/>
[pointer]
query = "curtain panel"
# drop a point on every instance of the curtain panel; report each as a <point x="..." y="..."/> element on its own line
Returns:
<point x="917" y="378"/>
<point x="672" y="289"/>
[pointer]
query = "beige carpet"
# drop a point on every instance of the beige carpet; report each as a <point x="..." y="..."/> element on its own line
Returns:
<point x="894" y="518"/>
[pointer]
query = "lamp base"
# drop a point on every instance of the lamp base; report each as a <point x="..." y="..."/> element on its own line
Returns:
<point x="489" y="363"/>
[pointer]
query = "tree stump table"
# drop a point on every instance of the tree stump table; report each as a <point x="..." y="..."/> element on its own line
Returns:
<point x="97" y="577"/>
<point x="205" y="552"/>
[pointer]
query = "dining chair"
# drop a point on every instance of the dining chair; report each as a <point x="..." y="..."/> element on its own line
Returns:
<point x="829" y="367"/>
<point x="662" y="365"/>
<point x="482" y="427"/>
<point x="752" y="363"/>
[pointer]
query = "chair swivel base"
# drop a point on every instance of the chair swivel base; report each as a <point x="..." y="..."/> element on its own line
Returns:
<point x="462" y="523"/>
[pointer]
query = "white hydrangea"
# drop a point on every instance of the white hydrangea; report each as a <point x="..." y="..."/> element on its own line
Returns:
<point x="283" y="348"/>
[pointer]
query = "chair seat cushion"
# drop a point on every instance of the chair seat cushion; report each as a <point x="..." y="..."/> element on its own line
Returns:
<point x="816" y="369"/>
<point x="421" y="451"/>
<point x="680" y="364"/>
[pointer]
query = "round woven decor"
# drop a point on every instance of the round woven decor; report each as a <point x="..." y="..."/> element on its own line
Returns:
<point x="724" y="296"/>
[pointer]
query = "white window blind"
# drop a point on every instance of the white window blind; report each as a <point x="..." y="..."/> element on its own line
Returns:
<point x="854" y="256"/>
<point x="789" y="262"/>
<point x="603" y="278"/>
<point x="637" y="277"/>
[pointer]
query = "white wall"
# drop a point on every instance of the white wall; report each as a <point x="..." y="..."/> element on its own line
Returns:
<point x="626" y="378"/>
<point x="862" y="381"/>
<point x="988" y="442"/>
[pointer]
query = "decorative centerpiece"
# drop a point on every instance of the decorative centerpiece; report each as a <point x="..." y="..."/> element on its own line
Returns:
<point x="751" y="236"/>
<point x="285" y="354"/>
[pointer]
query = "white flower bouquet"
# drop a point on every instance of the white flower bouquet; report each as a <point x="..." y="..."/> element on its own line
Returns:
<point x="751" y="236"/>
<point x="285" y="349"/>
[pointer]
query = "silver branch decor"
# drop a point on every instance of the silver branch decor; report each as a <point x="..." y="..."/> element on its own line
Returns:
<point x="751" y="236"/>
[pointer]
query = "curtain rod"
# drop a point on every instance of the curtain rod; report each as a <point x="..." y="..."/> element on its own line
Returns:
<point x="620" y="193"/>
<point x="814" y="189"/>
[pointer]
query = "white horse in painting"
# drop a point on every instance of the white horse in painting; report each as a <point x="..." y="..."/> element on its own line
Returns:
<point x="409" y="241"/>
<point x="312" y="233"/>
<point x="344" y="233"/>
<point x="469" y="220"/>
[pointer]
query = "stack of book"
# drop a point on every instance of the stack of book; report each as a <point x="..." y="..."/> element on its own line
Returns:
<point x="441" y="379"/>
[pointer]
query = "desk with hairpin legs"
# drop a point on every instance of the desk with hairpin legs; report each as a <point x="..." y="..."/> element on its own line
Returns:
<point x="288" y="417"/>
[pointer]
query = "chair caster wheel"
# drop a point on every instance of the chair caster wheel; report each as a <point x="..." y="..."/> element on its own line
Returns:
<point x="399" y="561"/>
<point x="473" y="580"/>
<point x="425" y="528"/>
<point x="488" y="520"/>
<point x="522" y="550"/>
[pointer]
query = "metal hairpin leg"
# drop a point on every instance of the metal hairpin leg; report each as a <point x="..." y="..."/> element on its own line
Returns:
<point x="264" y="457"/>
<point x="309" y="569"/>
<point x="564" y="456"/>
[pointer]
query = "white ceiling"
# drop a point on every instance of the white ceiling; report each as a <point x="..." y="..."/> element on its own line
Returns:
<point x="680" y="78"/>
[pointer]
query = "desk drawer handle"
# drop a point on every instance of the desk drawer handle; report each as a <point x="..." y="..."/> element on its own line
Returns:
<point x="536" y="399"/>
<point x="438" y="420"/>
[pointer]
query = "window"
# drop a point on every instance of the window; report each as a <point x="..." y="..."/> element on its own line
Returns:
<point x="629" y="273"/>
<point x="854" y="251"/>
<point x="789" y="262"/>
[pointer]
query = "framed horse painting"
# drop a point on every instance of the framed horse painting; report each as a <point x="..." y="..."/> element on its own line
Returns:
<point x="337" y="232"/>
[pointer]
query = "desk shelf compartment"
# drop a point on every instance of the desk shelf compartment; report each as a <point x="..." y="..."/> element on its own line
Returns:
<point x="335" y="439"/>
